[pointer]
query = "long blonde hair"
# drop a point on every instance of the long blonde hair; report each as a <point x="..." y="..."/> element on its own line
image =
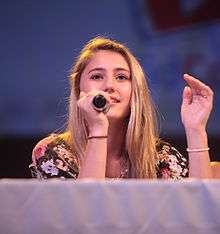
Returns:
<point x="141" y="133"/>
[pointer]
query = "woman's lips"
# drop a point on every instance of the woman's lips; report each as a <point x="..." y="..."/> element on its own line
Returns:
<point x="114" y="99"/>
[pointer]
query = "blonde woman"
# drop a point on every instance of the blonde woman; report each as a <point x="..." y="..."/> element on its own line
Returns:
<point x="121" y="140"/>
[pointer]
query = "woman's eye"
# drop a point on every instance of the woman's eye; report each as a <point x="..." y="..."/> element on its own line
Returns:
<point x="96" y="77"/>
<point x="122" y="77"/>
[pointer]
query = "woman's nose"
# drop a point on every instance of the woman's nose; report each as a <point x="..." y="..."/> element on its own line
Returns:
<point x="109" y="85"/>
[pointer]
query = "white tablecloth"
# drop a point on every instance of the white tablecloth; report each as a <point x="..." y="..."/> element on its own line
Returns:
<point x="123" y="206"/>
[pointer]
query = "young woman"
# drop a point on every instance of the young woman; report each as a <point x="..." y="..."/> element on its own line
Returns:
<point x="121" y="141"/>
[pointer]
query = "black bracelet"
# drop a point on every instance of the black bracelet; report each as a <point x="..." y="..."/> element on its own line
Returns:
<point x="91" y="137"/>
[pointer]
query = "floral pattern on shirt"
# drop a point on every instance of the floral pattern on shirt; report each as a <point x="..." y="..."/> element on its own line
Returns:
<point x="52" y="157"/>
<point x="171" y="164"/>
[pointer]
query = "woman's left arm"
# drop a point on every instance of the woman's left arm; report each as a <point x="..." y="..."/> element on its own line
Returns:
<point x="195" y="110"/>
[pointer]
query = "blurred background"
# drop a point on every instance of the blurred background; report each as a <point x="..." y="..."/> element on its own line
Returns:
<point x="41" y="39"/>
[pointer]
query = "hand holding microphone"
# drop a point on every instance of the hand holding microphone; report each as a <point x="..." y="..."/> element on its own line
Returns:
<point x="94" y="101"/>
<point x="93" y="106"/>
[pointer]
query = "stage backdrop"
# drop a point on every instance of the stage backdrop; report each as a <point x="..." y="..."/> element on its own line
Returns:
<point x="40" y="40"/>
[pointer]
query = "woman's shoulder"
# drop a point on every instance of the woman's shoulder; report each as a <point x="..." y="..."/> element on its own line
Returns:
<point x="171" y="163"/>
<point x="163" y="146"/>
<point x="52" y="157"/>
<point x="50" y="141"/>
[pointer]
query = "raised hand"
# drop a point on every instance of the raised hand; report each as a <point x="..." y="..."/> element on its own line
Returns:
<point x="196" y="104"/>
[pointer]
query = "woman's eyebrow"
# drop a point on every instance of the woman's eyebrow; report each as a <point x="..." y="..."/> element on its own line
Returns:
<point x="121" y="69"/>
<point x="97" y="69"/>
<point x="103" y="69"/>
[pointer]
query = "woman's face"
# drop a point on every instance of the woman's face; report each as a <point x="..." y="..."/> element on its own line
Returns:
<point x="108" y="71"/>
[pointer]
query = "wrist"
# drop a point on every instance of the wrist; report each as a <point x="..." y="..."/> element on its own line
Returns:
<point x="99" y="131"/>
<point x="196" y="139"/>
<point x="195" y="132"/>
<point x="97" y="137"/>
<point x="195" y="129"/>
<point x="197" y="150"/>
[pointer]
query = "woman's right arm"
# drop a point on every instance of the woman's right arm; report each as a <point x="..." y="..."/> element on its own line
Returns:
<point x="94" y="162"/>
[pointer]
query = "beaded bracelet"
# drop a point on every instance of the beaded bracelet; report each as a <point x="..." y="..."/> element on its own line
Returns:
<point x="91" y="137"/>
<point x="197" y="150"/>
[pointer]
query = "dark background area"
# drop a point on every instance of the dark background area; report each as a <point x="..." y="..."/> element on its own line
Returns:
<point x="41" y="39"/>
<point x="17" y="153"/>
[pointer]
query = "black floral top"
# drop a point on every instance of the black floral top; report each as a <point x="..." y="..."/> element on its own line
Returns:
<point x="52" y="157"/>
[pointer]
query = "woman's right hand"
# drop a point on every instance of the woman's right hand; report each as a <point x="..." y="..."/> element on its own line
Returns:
<point x="97" y="121"/>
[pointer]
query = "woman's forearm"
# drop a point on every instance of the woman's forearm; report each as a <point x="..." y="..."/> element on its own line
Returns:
<point x="94" y="163"/>
<point x="199" y="161"/>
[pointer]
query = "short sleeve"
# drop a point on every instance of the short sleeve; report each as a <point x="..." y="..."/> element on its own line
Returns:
<point x="52" y="158"/>
<point x="171" y="164"/>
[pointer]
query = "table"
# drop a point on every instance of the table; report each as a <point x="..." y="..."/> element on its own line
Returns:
<point x="120" y="206"/>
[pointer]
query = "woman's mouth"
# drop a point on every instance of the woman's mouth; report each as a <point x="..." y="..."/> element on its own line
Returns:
<point x="114" y="99"/>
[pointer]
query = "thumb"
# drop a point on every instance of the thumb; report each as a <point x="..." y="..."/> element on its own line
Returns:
<point x="187" y="95"/>
<point x="82" y="94"/>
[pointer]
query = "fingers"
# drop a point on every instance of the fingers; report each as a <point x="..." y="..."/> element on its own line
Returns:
<point x="198" y="87"/>
<point x="93" y="93"/>
<point x="92" y="117"/>
<point x="187" y="95"/>
<point x="85" y="102"/>
<point x="82" y="95"/>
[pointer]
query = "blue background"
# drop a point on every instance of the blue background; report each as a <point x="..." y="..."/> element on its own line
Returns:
<point x="40" y="40"/>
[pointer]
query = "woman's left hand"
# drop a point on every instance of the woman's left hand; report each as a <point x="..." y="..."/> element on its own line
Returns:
<point x="196" y="104"/>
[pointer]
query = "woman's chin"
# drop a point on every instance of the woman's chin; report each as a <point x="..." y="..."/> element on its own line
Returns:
<point x="116" y="116"/>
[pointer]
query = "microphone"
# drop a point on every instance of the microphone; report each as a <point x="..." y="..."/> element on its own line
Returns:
<point x="100" y="104"/>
